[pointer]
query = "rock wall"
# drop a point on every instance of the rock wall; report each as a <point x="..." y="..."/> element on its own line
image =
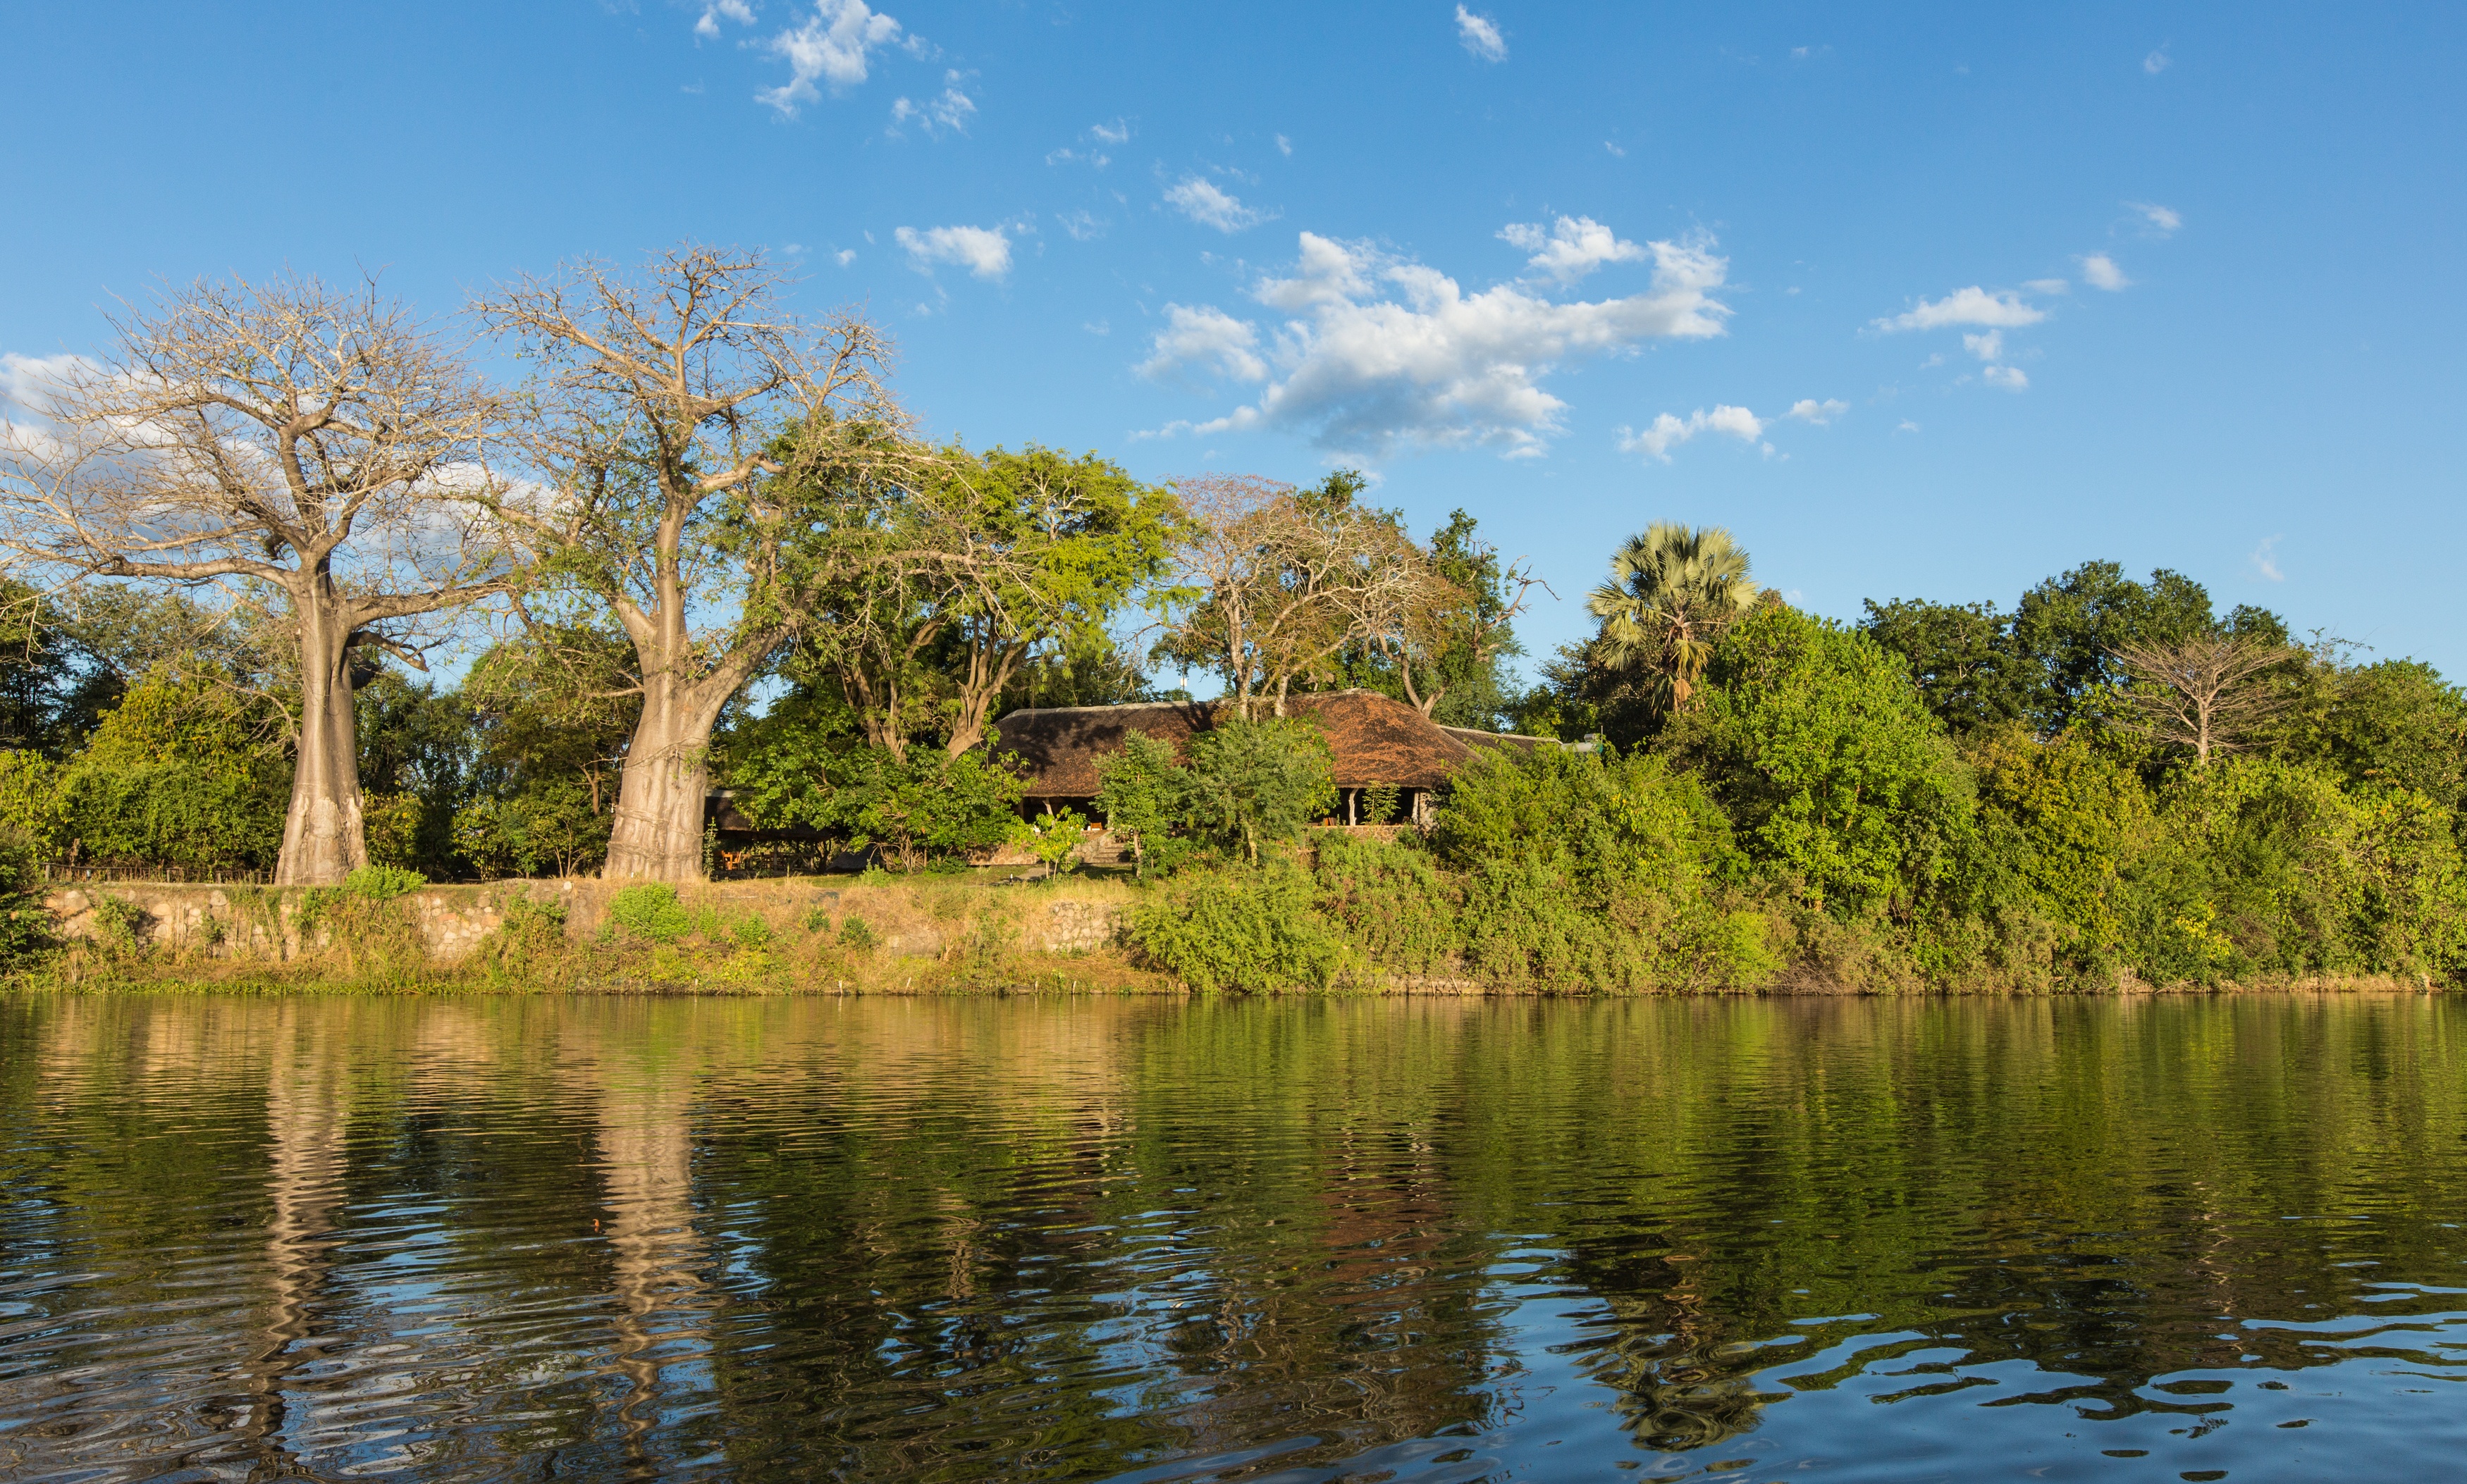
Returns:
<point x="924" y="920"/>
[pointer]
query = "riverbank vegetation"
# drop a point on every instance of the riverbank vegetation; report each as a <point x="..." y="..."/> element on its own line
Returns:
<point x="657" y="573"/>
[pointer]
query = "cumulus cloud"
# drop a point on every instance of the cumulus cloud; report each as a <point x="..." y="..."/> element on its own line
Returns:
<point x="2265" y="560"/>
<point x="2010" y="377"/>
<point x="1116" y="132"/>
<point x="2161" y="221"/>
<point x="1206" y="338"/>
<point x="1284" y="146"/>
<point x="1480" y="36"/>
<point x="1575" y="246"/>
<point x="844" y="257"/>
<point x="2099" y="271"/>
<point x="947" y="114"/>
<point x="2048" y="286"/>
<point x="27" y="381"/>
<point x="738" y="10"/>
<point x="983" y="251"/>
<point x="1655" y="441"/>
<point x="830" y="46"/>
<point x="1084" y="226"/>
<point x="1989" y="346"/>
<point x="2157" y="63"/>
<point x="1204" y="203"/>
<point x="1972" y="305"/>
<point x="1810" y="410"/>
<point x="1379" y="350"/>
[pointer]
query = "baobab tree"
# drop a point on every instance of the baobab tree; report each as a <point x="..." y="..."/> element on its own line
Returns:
<point x="694" y="443"/>
<point x="1671" y="594"/>
<point x="316" y="444"/>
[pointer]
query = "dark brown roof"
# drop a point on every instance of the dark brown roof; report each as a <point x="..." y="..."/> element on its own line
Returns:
<point x="1375" y="739"/>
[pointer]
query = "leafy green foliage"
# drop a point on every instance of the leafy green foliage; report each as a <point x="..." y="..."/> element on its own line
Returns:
<point x="1143" y="793"/>
<point x="382" y="883"/>
<point x="1840" y="783"/>
<point x="1240" y="928"/>
<point x="927" y="807"/>
<point x="649" y="910"/>
<point x="858" y="935"/>
<point x="1258" y="782"/>
<point x="174" y="776"/>
<point x="1056" y="836"/>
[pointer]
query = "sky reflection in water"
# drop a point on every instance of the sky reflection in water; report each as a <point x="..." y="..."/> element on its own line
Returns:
<point x="1143" y="1241"/>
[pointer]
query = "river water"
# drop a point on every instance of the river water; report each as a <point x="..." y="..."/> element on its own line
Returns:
<point x="1147" y="1240"/>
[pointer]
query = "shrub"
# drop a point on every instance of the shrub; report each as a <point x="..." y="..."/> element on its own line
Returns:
<point x="1143" y="793"/>
<point x="1841" y="784"/>
<point x="382" y="883"/>
<point x="928" y="806"/>
<point x="648" y="910"/>
<point x="1253" y="782"/>
<point x="1390" y="900"/>
<point x="1057" y="835"/>
<point x="753" y="932"/>
<point x="1236" y="928"/>
<point x="855" y="933"/>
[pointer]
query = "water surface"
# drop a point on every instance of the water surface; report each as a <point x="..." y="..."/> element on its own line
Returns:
<point x="1046" y="1239"/>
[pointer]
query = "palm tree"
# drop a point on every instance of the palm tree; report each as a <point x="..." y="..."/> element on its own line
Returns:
<point x="1671" y="594"/>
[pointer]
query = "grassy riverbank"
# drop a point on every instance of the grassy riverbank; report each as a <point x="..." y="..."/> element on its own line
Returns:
<point x="1348" y="917"/>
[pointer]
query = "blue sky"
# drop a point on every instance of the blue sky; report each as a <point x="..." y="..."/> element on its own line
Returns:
<point x="2173" y="285"/>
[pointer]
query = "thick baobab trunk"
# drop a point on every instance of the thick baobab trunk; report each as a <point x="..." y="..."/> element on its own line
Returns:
<point x="322" y="836"/>
<point x="660" y="795"/>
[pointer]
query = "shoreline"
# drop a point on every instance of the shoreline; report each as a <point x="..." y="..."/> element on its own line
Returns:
<point x="825" y="936"/>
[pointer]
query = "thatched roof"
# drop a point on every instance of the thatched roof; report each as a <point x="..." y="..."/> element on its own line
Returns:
<point x="1376" y="740"/>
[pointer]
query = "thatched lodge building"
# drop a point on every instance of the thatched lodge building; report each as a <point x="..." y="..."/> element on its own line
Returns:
<point x="1378" y="743"/>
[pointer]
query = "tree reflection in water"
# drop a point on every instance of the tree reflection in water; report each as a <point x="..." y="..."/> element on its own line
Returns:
<point x="1071" y="1238"/>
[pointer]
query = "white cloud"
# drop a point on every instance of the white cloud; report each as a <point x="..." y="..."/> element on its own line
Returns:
<point x="1616" y="154"/>
<point x="2048" y="286"/>
<point x="1989" y="346"/>
<point x="1480" y="36"/>
<point x="1810" y="410"/>
<point x="2265" y="560"/>
<point x="2157" y="63"/>
<point x="736" y="11"/>
<point x="947" y="114"/>
<point x="1205" y="337"/>
<point x="1116" y="132"/>
<point x="831" y="45"/>
<point x="983" y="251"/>
<point x="2009" y="377"/>
<point x="1905" y="426"/>
<point x="1084" y="226"/>
<point x="26" y="381"/>
<point x="1380" y="349"/>
<point x="1972" y="305"/>
<point x="1204" y="203"/>
<point x="844" y="257"/>
<point x="1284" y="146"/>
<point x="2099" y="271"/>
<point x="1575" y="246"/>
<point x="1655" y="441"/>
<point x="2161" y="221"/>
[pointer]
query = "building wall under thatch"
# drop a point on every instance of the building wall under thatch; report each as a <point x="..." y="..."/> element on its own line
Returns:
<point x="1377" y="742"/>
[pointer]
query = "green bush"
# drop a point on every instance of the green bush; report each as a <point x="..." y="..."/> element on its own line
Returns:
<point x="1840" y="783"/>
<point x="648" y="910"/>
<point x="382" y="883"/>
<point x="1254" y="782"/>
<point x="1239" y="929"/>
<point x="753" y="932"/>
<point x="1390" y="901"/>
<point x="856" y="933"/>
